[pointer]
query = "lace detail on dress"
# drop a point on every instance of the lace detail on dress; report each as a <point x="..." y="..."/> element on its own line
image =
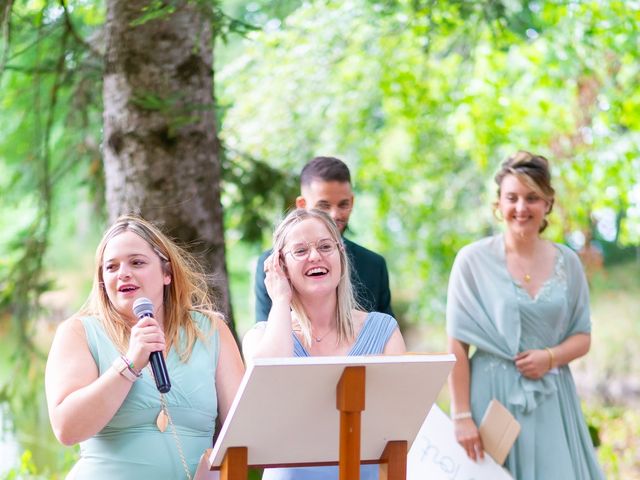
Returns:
<point x="489" y="362"/>
<point x="558" y="279"/>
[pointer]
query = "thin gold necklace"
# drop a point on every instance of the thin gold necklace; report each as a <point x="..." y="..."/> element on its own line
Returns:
<point x="162" y="419"/>
<point x="525" y="275"/>
<point x="322" y="337"/>
<point x="319" y="339"/>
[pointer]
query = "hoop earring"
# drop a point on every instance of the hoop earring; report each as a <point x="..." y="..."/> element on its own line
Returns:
<point x="544" y="225"/>
<point x="497" y="214"/>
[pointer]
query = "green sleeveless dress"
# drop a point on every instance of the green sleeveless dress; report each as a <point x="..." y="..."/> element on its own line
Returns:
<point x="130" y="446"/>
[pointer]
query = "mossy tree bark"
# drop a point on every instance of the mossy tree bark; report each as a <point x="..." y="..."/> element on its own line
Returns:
<point x="161" y="153"/>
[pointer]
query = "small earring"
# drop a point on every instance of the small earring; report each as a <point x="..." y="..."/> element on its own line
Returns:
<point x="498" y="214"/>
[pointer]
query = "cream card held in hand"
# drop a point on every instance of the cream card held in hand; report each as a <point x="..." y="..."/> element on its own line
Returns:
<point x="436" y="455"/>
<point x="498" y="430"/>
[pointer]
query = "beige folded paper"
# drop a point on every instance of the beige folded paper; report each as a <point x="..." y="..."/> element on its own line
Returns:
<point x="498" y="430"/>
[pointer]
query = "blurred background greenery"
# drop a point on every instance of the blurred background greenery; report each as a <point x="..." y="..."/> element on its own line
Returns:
<point x="421" y="98"/>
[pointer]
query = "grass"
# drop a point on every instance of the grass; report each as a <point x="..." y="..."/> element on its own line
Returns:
<point x="608" y="374"/>
<point x="607" y="377"/>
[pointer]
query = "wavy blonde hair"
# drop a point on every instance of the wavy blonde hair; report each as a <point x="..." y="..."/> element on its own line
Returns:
<point x="346" y="301"/>
<point x="187" y="291"/>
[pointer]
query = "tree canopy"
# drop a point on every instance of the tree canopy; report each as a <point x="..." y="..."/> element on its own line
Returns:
<point x="424" y="99"/>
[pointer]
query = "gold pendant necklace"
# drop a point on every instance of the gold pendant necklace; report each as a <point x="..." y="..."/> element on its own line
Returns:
<point x="162" y="420"/>
<point x="525" y="276"/>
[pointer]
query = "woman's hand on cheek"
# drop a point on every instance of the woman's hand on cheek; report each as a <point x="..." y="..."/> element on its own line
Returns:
<point x="276" y="279"/>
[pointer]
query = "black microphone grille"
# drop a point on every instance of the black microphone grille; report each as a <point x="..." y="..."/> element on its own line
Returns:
<point x="143" y="306"/>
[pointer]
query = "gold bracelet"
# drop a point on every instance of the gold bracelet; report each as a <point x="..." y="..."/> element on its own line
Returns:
<point x="552" y="358"/>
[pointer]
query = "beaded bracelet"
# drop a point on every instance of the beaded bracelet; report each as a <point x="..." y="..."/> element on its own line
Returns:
<point x="121" y="365"/>
<point x="130" y="366"/>
<point x="461" y="415"/>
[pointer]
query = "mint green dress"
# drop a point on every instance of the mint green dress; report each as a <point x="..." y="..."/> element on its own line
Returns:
<point x="131" y="446"/>
<point x="486" y="308"/>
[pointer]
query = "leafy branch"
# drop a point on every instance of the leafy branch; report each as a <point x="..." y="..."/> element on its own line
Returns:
<point x="5" y="31"/>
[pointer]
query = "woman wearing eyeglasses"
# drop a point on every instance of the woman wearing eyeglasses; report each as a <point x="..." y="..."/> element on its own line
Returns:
<point x="314" y="312"/>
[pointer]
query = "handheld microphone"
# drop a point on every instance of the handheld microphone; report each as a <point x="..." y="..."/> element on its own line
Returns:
<point x="143" y="307"/>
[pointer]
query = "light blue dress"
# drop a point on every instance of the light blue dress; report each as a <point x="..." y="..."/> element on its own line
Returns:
<point x="373" y="337"/>
<point x="488" y="309"/>
<point x="131" y="446"/>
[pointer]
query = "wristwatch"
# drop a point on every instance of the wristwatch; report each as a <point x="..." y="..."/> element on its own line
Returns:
<point x="121" y="365"/>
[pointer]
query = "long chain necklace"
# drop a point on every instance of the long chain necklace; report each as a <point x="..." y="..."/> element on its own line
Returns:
<point x="162" y="419"/>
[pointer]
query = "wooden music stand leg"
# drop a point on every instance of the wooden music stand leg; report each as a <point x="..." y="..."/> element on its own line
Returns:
<point x="350" y="401"/>
<point x="234" y="465"/>
<point x="393" y="461"/>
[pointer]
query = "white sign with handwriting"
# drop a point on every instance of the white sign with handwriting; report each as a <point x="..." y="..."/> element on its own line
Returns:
<point x="436" y="455"/>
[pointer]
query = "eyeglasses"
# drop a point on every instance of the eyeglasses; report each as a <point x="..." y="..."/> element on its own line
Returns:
<point x="301" y="251"/>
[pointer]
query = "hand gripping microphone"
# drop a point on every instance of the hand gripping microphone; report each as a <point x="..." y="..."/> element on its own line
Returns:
<point x="143" y="307"/>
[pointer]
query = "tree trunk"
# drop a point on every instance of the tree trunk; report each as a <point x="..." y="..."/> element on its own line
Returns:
<point x="160" y="146"/>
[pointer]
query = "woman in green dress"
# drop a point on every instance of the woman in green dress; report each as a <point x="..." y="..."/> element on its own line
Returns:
<point x="100" y="389"/>
<point x="523" y="303"/>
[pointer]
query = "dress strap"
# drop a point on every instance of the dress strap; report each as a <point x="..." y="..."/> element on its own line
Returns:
<point x="374" y="335"/>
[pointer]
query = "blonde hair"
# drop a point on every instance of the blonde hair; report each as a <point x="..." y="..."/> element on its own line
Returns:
<point x="187" y="291"/>
<point x="346" y="302"/>
<point x="532" y="170"/>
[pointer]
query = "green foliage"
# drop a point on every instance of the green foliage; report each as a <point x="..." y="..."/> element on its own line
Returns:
<point x="423" y="99"/>
<point x="620" y="433"/>
<point x="253" y="188"/>
<point x="49" y="134"/>
<point x="155" y="10"/>
<point x="51" y="172"/>
<point x="22" y="398"/>
<point x="221" y="23"/>
<point x="26" y="469"/>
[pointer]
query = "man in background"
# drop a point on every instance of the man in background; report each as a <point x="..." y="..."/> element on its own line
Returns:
<point x="325" y="184"/>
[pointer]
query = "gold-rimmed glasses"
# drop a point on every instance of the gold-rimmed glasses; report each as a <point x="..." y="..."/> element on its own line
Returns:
<point x="301" y="251"/>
